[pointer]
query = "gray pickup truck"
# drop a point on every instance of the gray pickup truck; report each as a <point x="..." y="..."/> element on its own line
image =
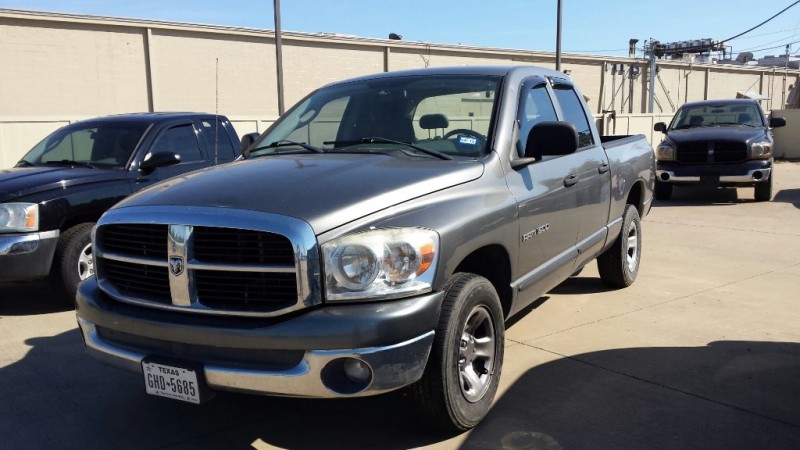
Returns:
<point x="376" y="237"/>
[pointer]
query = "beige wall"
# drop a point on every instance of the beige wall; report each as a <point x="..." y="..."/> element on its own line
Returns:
<point x="787" y="139"/>
<point x="60" y="68"/>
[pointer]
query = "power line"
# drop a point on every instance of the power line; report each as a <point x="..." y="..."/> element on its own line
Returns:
<point x="772" y="48"/>
<point x="762" y="23"/>
<point x="768" y="43"/>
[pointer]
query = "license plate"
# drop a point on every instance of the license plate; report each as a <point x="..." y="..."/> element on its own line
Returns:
<point x="178" y="383"/>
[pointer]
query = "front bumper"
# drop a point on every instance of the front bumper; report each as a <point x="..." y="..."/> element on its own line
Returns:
<point x="27" y="256"/>
<point x="744" y="174"/>
<point x="301" y="356"/>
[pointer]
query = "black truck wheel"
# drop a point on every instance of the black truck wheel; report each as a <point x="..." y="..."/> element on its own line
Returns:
<point x="73" y="261"/>
<point x="619" y="264"/>
<point x="764" y="190"/>
<point x="663" y="191"/>
<point x="463" y="370"/>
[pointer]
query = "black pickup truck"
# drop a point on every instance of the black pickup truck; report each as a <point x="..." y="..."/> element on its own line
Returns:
<point x="52" y="198"/>
<point x="724" y="143"/>
<point x="380" y="234"/>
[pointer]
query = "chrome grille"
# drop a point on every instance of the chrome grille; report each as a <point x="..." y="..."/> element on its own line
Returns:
<point x="217" y="265"/>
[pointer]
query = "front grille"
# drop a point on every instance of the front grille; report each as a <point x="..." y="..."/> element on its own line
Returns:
<point x="145" y="240"/>
<point x="209" y="269"/>
<point x="705" y="152"/>
<point x="234" y="246"/>
<point x="137" y="280"/>
<point x="726" y="151"/>
<point x="255" y="291"/>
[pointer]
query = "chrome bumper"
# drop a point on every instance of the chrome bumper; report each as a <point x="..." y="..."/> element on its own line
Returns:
<point x="748" y="178"/>
<point x="20" y="244"/>
<point x="393" y="367"/>
<point x="27" y="256"/>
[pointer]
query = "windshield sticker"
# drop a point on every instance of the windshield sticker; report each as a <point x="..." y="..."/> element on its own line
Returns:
<point x="467" y="140"/>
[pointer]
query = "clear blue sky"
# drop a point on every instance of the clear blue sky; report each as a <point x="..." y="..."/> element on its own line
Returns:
<point x="589" y="26"/>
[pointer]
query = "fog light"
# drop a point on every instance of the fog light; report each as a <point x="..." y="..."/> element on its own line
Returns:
<point x="357" y="371"/>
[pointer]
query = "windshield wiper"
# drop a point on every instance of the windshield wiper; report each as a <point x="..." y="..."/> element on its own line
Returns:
<point x="285" y="143"/>
<point x="371" y="140"/>
<point x="71" y="163"/>
<point x="25" y="163"/>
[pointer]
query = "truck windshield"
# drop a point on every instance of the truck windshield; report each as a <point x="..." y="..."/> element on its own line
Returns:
<point x="89" y="145"/>
<point x="440" y="117"/>
<point x="717" y="115"/>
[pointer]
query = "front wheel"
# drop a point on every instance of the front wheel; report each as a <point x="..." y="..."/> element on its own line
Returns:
<point x="463" y="370"/>
<point x="764" y="190"/>
<point x="619" y="265"/>
<point x="73" y="261"/>
<point x="663" y="191"/>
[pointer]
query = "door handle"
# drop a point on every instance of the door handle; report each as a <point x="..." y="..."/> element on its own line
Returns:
<point x="570" y="180"/>
<point x="603" y="168"/>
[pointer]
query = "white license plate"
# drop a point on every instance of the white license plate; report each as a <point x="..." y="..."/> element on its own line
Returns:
<point x="172" y="382"/>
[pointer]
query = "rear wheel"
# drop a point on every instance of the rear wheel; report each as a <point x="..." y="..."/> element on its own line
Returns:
<point x="619" y="265"/>
<point x="73" y="261"/>
<point x="764" y="190"/>
<point x="463" y="370"/>
<point x="663" y="191"/>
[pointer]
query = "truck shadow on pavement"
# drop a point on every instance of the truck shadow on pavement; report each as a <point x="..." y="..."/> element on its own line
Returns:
<point x="724" y="395"/>
<point x="788" y="196"/>
<point x="27" y="299"/>
<point x="702" y="196"/>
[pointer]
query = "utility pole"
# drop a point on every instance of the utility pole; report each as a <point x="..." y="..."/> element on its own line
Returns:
<point x="652" y="70"/>
<point x="785" y="75"/>
<point x="558" y="37"/>
<point x="279" y="55"/>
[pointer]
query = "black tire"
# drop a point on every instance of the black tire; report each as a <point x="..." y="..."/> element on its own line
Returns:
<point x="619" y="265"/>
<point x="458" y="385"/>
<point x="663" y="191"/>
<point x="69" y="267"/>
<point x="763" y="190"/>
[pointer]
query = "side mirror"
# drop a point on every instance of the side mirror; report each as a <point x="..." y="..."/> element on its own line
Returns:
<point x="548" y="139"/>
<point x="247" y="140"/>
<point x="660" y="126"/>
<point x="777" y="122"/>
<point x="162" y="159"/>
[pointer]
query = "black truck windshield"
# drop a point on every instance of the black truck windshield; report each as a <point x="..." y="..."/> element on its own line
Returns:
<point x="440" y="116"/>
<point x="717" y="115"/>
<point x="107" y="145"/>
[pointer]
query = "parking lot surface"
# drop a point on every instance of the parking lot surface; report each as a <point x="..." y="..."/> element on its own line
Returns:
<point x="703" y="351"/>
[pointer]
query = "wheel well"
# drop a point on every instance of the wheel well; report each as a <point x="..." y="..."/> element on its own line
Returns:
<point x="492" y="263"/>
<point x="635" y="197"/>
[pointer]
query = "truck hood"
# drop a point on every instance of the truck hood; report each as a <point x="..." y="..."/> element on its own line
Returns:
<point x="324" y="190"/>
<point x="741" y="134"/>
<point x="18" y="182"/>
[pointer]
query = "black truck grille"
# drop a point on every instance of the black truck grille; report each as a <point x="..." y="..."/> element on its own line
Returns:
<point x="137" y="280"/>
<point x="705" y="152"/>
<point x="234" y="246"/>
<point x="145" y="240"/>
<point x="133" y="260"/>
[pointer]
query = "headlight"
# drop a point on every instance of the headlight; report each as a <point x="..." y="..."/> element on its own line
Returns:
<point x="761" y="149"/>
<point x="380" y="264"/>
<point x="19" y="217"/>
<point x="665" y="151"/>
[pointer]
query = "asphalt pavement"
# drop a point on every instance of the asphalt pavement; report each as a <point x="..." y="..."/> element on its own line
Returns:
<point x="702" y="352"/>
